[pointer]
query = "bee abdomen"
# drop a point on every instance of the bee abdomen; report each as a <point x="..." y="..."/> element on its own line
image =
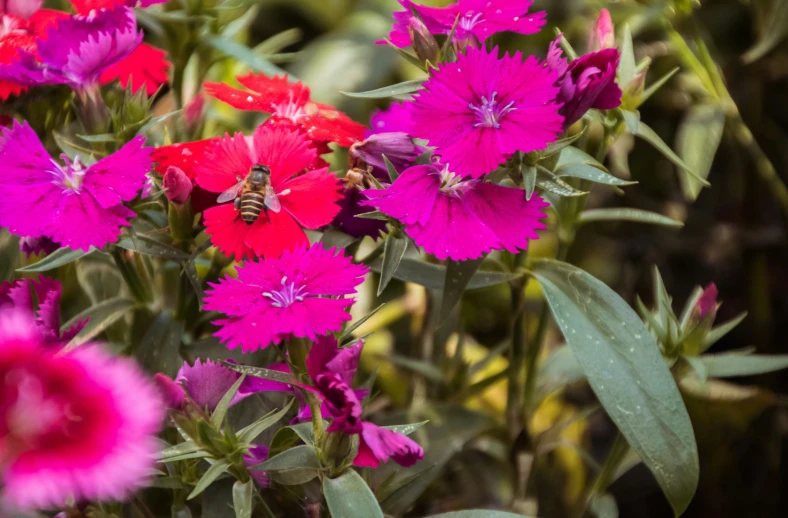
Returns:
<point x="252" y="204"/>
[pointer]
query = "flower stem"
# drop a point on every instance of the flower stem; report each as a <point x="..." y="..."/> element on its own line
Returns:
<point x="515" y="417"/>
<point x="615" y="456"/>
<point x="139" y="289"/>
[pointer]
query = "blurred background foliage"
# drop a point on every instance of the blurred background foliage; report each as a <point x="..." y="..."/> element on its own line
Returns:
<point x="734" y="235"/>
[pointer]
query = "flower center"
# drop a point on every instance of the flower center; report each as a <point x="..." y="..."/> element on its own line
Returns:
<point x="469" y="21"/>
<point x="490" y="112"/>
<point x="71" y="175"/>
<point x="286" y="295"/>
<point x="449" y="180"/>
<point x="291" y="109"/>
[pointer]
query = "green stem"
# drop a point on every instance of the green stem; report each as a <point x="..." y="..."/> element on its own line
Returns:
<point x="614" y="458"/>
<point x="517" y="354"/>
<point x="139" y="290"/>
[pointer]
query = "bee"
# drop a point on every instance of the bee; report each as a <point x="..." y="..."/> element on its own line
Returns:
<point x="253" y="194"/>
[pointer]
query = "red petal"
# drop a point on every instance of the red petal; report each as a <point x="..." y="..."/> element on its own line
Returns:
<point x="285" y="151"/>
<point x="45" y="18"/>
<point x="277" y="89"/>
<point x="147" y="66"/>
<point x="270" y="236"/>
<point x="236" y="98"/>
<point x="10" y="44"/>
<point x="312" y="198"/>
<point x="185" y="156"/>
<point x="330" y="124"/>
<point x="228" y="160"/>
<point x="85" y="6"/>
<point x="228" y="231"/>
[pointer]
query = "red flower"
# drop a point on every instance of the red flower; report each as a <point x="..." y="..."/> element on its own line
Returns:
<point x="15" y="35"/>
<point x="307" y="197"/>
<point x="289" y="105"/>
<point x="185" y="156"/>
<point x="147" y="66"/>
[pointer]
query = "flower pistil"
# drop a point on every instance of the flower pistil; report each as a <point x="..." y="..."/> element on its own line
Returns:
<point x="490" y="112"/>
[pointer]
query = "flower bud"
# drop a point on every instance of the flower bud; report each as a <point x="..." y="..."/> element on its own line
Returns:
<point x="424" y="43"/>
<point x="633" y="92"/>
<point x="22" y="8"/>
<point x="172" y="393"/>
<point x="177" y="184"/>
<point x="707" y="303"/>
<point x="602" y="34"/>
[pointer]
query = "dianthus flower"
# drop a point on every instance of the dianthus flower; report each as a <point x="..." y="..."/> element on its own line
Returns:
<point x="308" y="199"/>
<point x="458" y="219"/>
<point x="395" y="118"/>
<point x="332" y="370"/>
<point x="16" y="34"/>
<point x="41" y="300"/>
<point x="480" y="110"/>
<point x="85" y="6"/>
<point x="290" y="106"/>
<point x="587" y="82"/>
<point x="185" y="156"/>
<point x="75" y="205"/>
<point x="37" y="245"/>
<point x="476" y="19"/>
<point x="300" y="294"/>
<point x="77" y="50"/>
<point x="92" y="432"/>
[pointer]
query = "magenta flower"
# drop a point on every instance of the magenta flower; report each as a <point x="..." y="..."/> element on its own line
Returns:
<point x="585" y="83"/>
<point x="92" y="432"/>
<point x="77" y="50"/>
<point x="257" y="455"/>
<point x="177" y="184"/>
<point x="707" y="303"/>
<point x="458" y="219"/>
<point x="380" y="444"/>
<point x="171" y="392"/>
<point x="395" y="118"/>
<point x="20" y="8"/>
<point x="480" y="110"/>
<point x="75" y="205"/>
<point x="478" y="20"/>
<point x="41" y="300"/>
<point x="300" y="294"/>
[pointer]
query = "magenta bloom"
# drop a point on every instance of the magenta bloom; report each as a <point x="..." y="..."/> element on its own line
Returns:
<point x="380" y="444"/>
<point x="178" y="185"/>
<point x="91" y="434"/>
<point x="585" y="83"/>
<point x="458" y="219"/>
<point x="707" y="303"/>
<point x="41" y="300"/>
<point x="393" y="119"/>
<point x="77" y="50"/>
<point x="300" y="294"/>
<point x="75" y="205"/>
<point x="478" y="19"/>
<point x="257" y="455"/>
<point x="171" y="392"/>
<point x="480" y="110"/>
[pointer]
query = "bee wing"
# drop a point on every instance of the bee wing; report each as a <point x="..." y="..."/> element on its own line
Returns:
<point x="231" y="193"/>
<point x="271" y="199"/>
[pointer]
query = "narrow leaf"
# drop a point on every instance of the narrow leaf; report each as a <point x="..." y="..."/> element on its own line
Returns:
<point x="355" y="325"/>
<point x="626" y="371"/>
<point x="627" y="66"/>
<point x="246" y="55"/>
<point x="260" y="372"/>
<point x="389" y="91"/>
<point x="210" y="475"/>
<point x="279" y="42"/>
<point x="375" y="214"/>
<point x="732" y="364"/>
<point x="560" y="144"/>
<point x="100" y="317"/>
<point x="178" y="449"/>
<point x="56" y="259"/>
<point x="776" y="30"/>
<point x="104" y="137"/>
<point x="573" y="155"/>
<point x="348" y="496"/>
<point x="480" y="513"/>
<point x="716" y="334"/>
<point x="590" y="173"/>
<point x="434" y="275"/>
<point x="155" y="121"/>
<point x="250" y="433"/>
<point x="650" y="136"/>
<point x="393" y="252"/>
<point x="632" y="120"/>
<point x="392" y="171"/>
<point x="634" y="215"/>
<point x="298" y="457"/>
<point x="458" y="276"/>
<point x="549" y="182"/>
<point x="221" y="409"/>
<point x="529" y="180"/>
<point x="697" y="141"/>
<point x="406" y="429"/>
<point x="243" y="495"/>
<point x="656" y="85"/>
<point x="148" y="246"/>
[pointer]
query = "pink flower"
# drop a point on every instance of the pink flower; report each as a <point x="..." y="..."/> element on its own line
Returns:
<point x="257" y="455"/>
<point x="380" y="444"/>
<point x="92" y="435"/>
<point x="77" y="50"/>
<point x="478" y="20"/>
<point x="707" y="303"/>
<point x="178" y="185"/>
<point x="395" y="118"/>
<point x="75" y="205"/>
<point x="307" y="198"/>
<point x="171" y="392"/>
<point x="85" y="6"/>
<point x="300" y="294"/>
<point x="458" y="219"/>
<point x="602" y="34"/>
<point x="41" y="300"/>
<point x="585" y="83"/>
<point x="480" y="110"/>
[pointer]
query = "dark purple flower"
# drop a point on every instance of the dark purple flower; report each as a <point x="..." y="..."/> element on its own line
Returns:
<point x="585" y="83"/>
<point x="257" y="454"/>
<point x="37" y="245"/>
<point x="77" y="50"/>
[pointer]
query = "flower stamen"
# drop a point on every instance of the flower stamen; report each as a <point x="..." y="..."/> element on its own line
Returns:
<point x="287" y="295"/>
<point x="490" y="112"/>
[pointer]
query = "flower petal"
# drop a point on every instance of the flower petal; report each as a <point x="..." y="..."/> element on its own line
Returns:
<point x="312" y="198"/>
<point x="120" y="176"/>
<point x="146" y="67"/>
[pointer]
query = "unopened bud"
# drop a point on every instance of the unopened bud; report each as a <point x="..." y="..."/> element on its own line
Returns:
<point x="633" y="92"/>
<point x="172" y="393"/>
<point x="177" y="184"/>
<point x="602" y="34"/>
<point x="707" y="303"/>
<point x="424" y="43"/>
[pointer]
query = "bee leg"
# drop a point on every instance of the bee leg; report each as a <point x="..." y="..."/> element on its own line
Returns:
<point x="237" y="205"/>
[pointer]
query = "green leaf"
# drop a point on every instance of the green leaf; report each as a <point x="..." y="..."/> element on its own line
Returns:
<point x="699" y="367"/>
<point x="716" y="334"/>
<point x="478" y="513"/>
<point x="188" y="456"/>
<point x="148" y="246"/>
<point x="243" y="495"/>
<point x="393" y="252"/>
<point x="56" y="259"/>
<point x="634" y="215"/>
<point x="101" y="316"/>
<point x="279" y="42"/>
<point x="392" y="171"/>
<point x="733" y="364"/>
<point x="632" y="120"/>
<point x="190" y="270"/>
<point x="155" y="121"/>
<point x="250" y="433"/>
<point x="650" y="136"/>
<point x="355" y="325"/>
<point x="458" y="275"/>
<point x="549" y="182"/>
<point x="405" y="87"/>
<point x="406" y="429"/>
<point x="529" y="180"/>
<point x="560" y="144"/>
<point x="260" y="372"/>
<point x="159" y="350"/>
<point x="221" y="409"/>
<point x="573" y="155"/>
<point x="289" y="436"/>
<point x="375" y="214"/>
<point x="299" y="457"/>
<point x="776" y="30"/>
<point x="656" y="85"/>
<point x="604" y="506"/>
<point x="434" y="275"/>
<point x="246" y="55"/>
<point x="210" y="475"/>
<point x="422" y="367"/>
<point x="333" y="238"/>
<point x="104" y="137"/>
<point x="627" y="68"/>
<point x="177" y="450"/>
<point x="590" y="173"/>
<point x="697" y="141"/>
<point x="626" y="371"/>
<point x="348" y="496"/>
